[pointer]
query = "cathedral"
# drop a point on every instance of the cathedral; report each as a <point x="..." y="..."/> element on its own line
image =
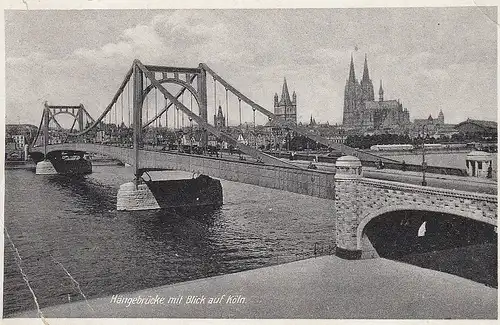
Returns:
<point x="285" y="108"/>
<point x="363" y="113"/>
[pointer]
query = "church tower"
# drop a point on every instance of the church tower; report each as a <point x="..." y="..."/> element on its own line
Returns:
<point x="440" y="118"/>
<point x="219" y="119"/>
<point x="380" y="93"/>
<point x="286" y="108"/>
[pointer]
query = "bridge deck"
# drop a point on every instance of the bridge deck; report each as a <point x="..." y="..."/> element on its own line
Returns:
<point x="293" y="176"/>
<point x="286" y="177"/>
<point x="470" y="184"/>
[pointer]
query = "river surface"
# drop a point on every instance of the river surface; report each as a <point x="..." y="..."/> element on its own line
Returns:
<point x="57" y="222"/>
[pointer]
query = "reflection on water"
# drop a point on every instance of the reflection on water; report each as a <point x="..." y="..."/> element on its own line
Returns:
<point x="73" y="221"/>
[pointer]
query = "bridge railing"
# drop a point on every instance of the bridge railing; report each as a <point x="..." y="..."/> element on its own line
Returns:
<point x="418" y="168"/>
<point x="384" y="184"/>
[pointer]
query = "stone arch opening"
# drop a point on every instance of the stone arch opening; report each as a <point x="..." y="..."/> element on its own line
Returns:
<point x="399" y="208"/>
<point x="452" y="242"/>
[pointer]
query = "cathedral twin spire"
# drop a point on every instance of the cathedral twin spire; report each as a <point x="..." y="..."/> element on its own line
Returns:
<point x="352" y="75"/>
<point x="366" y="84"/>
<point x="366" y="75"/>
<point x="362" y="111"/>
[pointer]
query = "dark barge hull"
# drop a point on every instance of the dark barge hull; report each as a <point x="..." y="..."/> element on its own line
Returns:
<point x="202" y="191"/>
<point x="72" y="166"/>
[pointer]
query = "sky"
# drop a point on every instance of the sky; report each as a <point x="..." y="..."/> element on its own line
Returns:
<point x="431" y="59"/>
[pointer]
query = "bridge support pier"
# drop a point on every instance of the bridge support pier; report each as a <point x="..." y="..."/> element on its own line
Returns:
<point x="134" y="196"/>
<point x="45" y="167"/>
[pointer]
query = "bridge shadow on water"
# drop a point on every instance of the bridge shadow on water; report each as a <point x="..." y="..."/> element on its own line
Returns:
<point x="91" y="194"/>
<point x="437" y="241"/>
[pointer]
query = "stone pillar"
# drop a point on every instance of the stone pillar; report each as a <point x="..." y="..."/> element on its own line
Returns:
<point x="202" y="92"/>
<point x="134" y="196"/>
<point x="348" y="172"/>
<point x="45" y="167"/>
<point x="26" y="153"/>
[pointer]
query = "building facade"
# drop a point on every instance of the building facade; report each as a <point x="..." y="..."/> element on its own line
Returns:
<point x="363" y="113"/>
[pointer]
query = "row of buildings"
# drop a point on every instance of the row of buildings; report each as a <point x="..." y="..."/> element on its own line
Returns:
<point x="363" y="114"/>
<point x="17" y="139"/>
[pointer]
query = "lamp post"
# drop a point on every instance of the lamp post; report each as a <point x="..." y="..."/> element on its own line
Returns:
<point x="191" y="136"/>
<point x="424" y="164"/>
<point x="287" y="139"/>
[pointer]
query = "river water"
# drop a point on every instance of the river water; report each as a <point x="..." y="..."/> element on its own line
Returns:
<point x="61" y="224"/>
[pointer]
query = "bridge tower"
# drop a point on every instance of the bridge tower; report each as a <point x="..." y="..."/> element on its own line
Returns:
<point x="52" y="163"/>
<point x="45" y="167"/>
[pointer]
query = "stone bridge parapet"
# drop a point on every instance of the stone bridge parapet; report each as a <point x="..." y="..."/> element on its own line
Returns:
<point x="359" y="200"/>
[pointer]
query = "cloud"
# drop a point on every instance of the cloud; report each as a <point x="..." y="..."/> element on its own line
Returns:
<point x="254" y="50"/>
<point x="180" y="37"/>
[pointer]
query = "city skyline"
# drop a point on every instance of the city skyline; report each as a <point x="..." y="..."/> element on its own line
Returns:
<point x="449" y="63"/>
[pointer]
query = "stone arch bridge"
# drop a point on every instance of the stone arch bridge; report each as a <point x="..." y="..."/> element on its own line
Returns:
<point x="359" y="200"/>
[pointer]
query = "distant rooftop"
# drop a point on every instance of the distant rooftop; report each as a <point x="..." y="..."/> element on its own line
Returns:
<point x="481" y="123"/>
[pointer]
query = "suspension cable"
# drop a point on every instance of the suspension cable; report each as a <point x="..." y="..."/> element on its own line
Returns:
<point x="182" y="102"/>
<point x="215" y="97"/>
<point x="128" y="105"/>
<point x="253" y="118"/>
<point x="227" y="111"/>
<point x="121" y="103"/>
<point x="166" y="113"/>
<point x="156" y="106"/>
<point x="177" y="117"/>
<point x="239" y="105"/>
<point x="191" y="109"/>
<point x="147" y="101"/>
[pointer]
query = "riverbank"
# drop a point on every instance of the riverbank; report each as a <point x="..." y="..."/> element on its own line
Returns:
<point x="19" y="164"/>
<point x="31" y="164"/>
<point x="417" y="152"/>
<point x="320" y="288"/>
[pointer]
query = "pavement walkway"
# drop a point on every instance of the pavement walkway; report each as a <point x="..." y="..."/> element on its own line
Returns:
<point x="322" y="288"/>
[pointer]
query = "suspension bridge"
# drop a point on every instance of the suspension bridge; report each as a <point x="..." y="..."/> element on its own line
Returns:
<point x="130" y="129"/>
